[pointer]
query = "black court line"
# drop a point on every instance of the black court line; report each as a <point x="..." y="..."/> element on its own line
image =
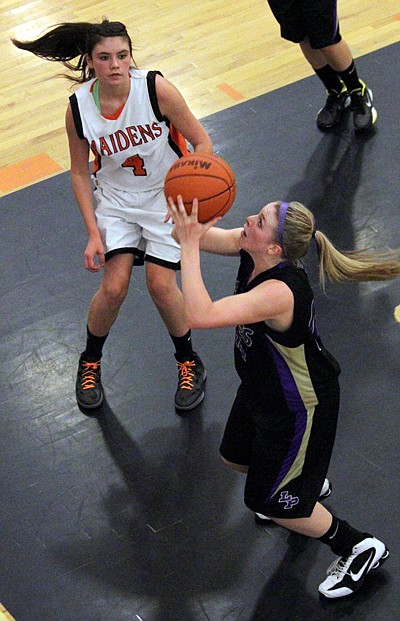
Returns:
<point x="131" y="516"/>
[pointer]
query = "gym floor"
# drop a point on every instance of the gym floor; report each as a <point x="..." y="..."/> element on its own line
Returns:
<point x="129" y="515"/>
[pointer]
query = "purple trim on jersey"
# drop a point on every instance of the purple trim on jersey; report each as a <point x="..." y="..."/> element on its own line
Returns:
<point x="336" y="21"/>
<point x="281" y="221"/>
<point x="296" y="406"/>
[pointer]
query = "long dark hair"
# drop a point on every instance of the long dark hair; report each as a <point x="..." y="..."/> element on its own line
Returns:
<point x="67" y="41"/>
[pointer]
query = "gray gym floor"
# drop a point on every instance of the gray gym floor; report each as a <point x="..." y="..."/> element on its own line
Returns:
<point x="129" y="515"/>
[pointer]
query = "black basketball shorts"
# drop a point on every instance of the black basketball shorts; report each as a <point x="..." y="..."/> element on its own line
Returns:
<point x="315" y="19"/>
<point x="287" y="453"/>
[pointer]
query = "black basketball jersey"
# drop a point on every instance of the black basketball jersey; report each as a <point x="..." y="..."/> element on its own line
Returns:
<point x="290" y="370"/>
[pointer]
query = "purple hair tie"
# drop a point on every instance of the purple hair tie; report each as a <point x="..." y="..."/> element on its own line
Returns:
<point x="281" y="221"/>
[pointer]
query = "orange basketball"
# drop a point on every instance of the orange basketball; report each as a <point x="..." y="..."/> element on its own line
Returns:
<point x="205" y="177"/>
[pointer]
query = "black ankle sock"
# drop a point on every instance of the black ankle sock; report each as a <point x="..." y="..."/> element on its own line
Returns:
<point x="183" y="346"/>
<point x="329" y="78"/>
<point x="341" y="537"/>
<point x="94" y="345"/>
<point x="350" y="78"/>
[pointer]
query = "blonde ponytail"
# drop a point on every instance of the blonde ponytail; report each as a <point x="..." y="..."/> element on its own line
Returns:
<point x="356" y="265"/>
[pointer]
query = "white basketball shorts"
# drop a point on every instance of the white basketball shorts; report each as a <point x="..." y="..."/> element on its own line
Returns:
<point x="133" y="222"/>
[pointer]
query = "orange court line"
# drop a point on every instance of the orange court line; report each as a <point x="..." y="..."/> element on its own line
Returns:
<point x="27" y="171"/>
<point x="228" y="90"/>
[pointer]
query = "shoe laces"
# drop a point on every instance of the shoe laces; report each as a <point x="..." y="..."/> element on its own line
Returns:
<point x="89" y="374"/>
<point x="340" y="566"/>
<point x="186" y="375"/>
<point x="358" y="100"/>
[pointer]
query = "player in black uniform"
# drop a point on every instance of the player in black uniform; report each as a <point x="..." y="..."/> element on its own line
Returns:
<point x="282" y="424"/>
<point x="314" y="25"/>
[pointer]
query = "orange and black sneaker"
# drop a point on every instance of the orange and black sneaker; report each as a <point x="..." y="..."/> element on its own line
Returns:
<point x="89" y="391"/>
<point x="191" y="377"/>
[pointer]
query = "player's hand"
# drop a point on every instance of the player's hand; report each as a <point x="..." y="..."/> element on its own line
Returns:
<point x="187" y="227"/>
<point x="94" y="255"/>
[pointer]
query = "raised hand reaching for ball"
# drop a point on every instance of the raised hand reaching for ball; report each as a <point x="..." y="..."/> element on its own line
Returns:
<point x="187" y="227"/>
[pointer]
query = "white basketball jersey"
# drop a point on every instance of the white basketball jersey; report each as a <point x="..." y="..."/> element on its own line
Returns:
<point x="134" y="150"/>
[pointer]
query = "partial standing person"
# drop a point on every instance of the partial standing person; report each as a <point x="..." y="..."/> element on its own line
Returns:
<point x="282" y="425"/>
<point x="136" y="124"/>
<point x="314" y="25"/>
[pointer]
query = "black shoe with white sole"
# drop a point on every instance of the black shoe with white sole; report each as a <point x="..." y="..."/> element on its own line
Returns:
<point x="346" y="574"/>
<point x="364" y="113"/>
<point x="334" y="109"/>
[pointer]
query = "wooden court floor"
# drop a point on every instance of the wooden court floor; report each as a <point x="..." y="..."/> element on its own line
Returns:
<point x="217" y="53"/>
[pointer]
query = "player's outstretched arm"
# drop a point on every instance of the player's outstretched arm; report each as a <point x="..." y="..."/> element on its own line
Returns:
<point x="221" y="241"/>
<point x="272" y="300"/>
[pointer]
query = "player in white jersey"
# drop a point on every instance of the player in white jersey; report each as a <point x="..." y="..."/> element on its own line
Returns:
<point x="136" y="124"/>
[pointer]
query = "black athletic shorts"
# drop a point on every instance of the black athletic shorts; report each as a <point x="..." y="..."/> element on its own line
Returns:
<point x="287" y="454"/>
<point x="315" y="19"/>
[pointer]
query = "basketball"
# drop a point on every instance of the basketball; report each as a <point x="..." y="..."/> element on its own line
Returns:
<point x="205" y="177"/>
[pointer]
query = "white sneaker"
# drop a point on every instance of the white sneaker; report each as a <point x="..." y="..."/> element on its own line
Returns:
<point x="346" y="574"/>
<point x="326" y="491"/>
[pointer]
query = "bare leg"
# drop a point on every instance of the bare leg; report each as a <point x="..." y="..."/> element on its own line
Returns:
<point x="338" y="55"/>
<point x="107" y="301"/>
<point x="167" y="297"/>
<point x="314" y="526"/>
<point x="103" y="311"/>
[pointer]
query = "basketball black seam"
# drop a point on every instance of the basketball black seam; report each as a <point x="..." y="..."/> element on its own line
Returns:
<point x="209" y="198"/>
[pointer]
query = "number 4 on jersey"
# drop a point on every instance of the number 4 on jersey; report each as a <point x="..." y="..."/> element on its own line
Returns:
<point x="137" y="164"/>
